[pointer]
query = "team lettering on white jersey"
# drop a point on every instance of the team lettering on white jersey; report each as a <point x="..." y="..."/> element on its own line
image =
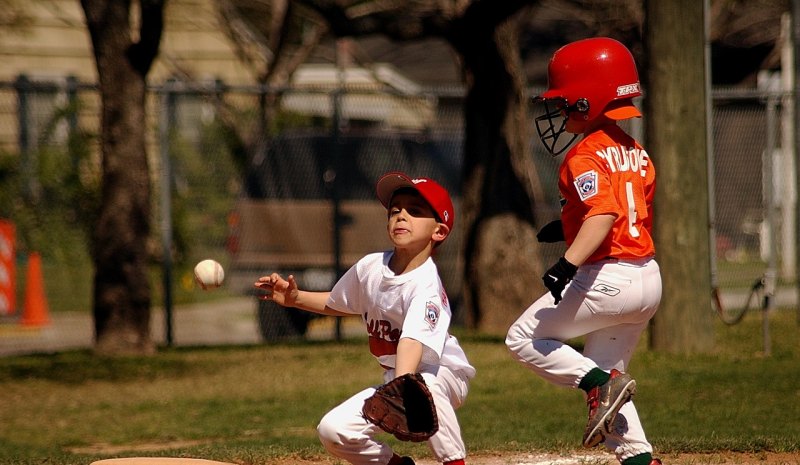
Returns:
<point x="620" y="158"/>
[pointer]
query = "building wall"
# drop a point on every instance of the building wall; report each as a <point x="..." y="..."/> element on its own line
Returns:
<point x="53" y="44"/>
<point x="56" y="43"/>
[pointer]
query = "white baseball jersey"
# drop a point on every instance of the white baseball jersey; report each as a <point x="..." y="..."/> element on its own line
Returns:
<point x="412" y="304"/>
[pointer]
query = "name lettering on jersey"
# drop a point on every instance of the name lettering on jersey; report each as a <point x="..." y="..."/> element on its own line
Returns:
<point x="620" y="158"/>
<point x="381" y="347"/>
<point x="431" y="313"/>
<point x="586" y="184"/>
<point x="383" y="338"/>
<point x="382" y="329"/>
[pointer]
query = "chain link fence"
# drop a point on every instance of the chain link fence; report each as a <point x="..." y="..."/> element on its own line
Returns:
<point x="282" y="180"/>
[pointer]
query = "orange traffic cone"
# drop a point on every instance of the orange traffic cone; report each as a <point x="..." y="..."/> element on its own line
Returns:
<point x="35" y="312"/>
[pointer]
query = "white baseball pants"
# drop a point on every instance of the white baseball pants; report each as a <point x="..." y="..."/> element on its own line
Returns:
<point x="610" y="303"/>
<point x="347" y="435"/>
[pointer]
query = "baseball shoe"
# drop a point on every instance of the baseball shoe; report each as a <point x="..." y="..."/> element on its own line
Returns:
<point x="604" y="403"/>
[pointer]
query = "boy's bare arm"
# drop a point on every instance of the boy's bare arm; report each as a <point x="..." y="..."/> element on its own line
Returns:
<point x="285" y="292"/>
<point x="592" y="233"/>
<point x="409" y="355"/>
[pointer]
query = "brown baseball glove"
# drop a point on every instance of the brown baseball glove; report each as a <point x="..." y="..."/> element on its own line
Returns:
<point x="403" y="407"/>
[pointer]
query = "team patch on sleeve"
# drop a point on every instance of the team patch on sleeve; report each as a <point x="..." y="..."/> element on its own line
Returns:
<point x="431" y="313"/>
<point x="586" y="184"/>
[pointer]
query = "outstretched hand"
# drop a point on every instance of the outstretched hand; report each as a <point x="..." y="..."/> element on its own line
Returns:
<point x="276" y="289"/>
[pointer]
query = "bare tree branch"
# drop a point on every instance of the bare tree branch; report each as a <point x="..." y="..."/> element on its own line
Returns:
<point x="278" y="23"/>
<point x="285" y="66"/>
<point x="248" y="43"/>
<point x="396" y="20"/>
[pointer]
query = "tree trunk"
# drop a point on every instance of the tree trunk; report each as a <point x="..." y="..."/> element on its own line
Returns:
<point x="121" y="282"/>
<point x="676" y="139"/>
<point x="500" y="183"/>
<point x="502" y="265"/>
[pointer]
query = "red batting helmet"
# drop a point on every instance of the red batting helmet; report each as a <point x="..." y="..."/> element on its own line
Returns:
<point x="588" y="78"/>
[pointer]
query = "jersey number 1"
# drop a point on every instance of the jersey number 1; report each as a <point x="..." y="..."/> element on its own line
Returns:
<point x="631" y="210"/>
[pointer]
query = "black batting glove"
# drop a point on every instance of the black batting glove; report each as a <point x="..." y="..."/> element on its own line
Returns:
<point x="557" y="277"/>
<point x="551" y="232"/>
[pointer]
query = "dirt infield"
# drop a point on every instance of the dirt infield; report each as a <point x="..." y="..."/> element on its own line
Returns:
<point x="599" y="458"/>
<point x="579" y="457"/>
<point x="725" y="458"/>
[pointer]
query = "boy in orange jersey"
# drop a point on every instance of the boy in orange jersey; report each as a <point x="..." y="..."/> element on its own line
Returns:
<point x="607" y="285"/>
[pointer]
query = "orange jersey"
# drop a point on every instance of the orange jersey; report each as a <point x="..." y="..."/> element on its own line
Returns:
<point x="608" y="172"/>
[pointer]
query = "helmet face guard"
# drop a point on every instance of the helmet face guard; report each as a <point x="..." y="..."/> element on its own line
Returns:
<point x="552" y="124"/>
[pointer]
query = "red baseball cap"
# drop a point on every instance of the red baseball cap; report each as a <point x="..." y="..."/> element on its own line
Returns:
<point x="433" y="193"/>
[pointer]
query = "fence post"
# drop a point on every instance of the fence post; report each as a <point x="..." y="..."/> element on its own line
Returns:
<point x="23" y="87"/>
<point x="166" y="120"/>
<point x="331" y="174"/>
<point x="72" y="114"/>
<point x="771" y="219"/>
<point x="72" y="103"/>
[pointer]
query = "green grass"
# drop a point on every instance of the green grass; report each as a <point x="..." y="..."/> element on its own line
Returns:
<point x="253" y="404"/>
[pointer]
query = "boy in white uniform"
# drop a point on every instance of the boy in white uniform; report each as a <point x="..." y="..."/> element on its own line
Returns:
<point x="403" y="304"/>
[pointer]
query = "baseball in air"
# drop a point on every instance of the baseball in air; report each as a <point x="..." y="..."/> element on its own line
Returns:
<point x="209" y="274"/>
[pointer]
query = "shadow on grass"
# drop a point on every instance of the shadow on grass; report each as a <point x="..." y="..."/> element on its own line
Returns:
<point x="74" y="367"/>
